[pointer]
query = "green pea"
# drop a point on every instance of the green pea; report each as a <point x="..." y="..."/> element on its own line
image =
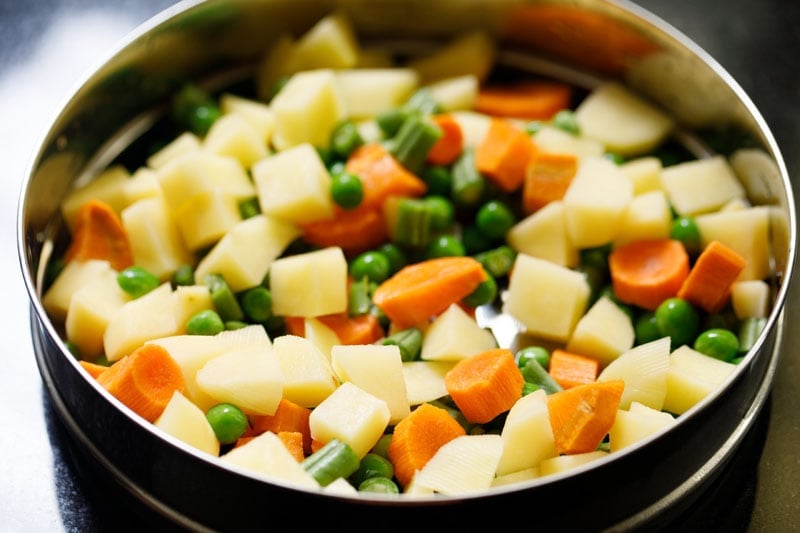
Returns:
<point x="494" y="219"/>
<point x="203" y="117"/>
<point x="372" y="465"/>
<point x="444" y="246"/>
<point x="249" y="208"/>
<point x="685" y="229"/>
<point x="528" y="388"/>
<point x="373" y="265"/>
<point x="718" y="343"/>
<point x="228" y="422"/>
<point x="484" y="293"/>
<point x="346" y="190"/>
<point x="137" y="281"/>
<point x="538" y="353"/>
<point x="73" y="349"/>
<point x="441" y="212"/>
<point x="565" y="120"/>
<point x="679" y="320"/>
<point x="474" y="240"/>
<point x="206" y="322"/>
<point x="257" y="303"/>
<point x="381" y="485"/>
<point x="439" y="180"/>
<point x="646" y="328"/>
<point x="396" y="256"/>
<point x="183" y="275"/>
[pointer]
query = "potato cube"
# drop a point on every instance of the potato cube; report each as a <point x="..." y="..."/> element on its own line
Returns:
<point x="470" y="53"/>
<point x="746" y="231"/>
<point x="351" y="415"/>
<point x="321" y="336"/>
<point x="369" y="92"/>
<point x="637" y="424"/>
<point x="564" y="463"/>
<point x="555" y="140"/>
<point x="445" y="472"/>
<point x="294" y="185"/>
<point x="206" y="218"/>
<point x="456" y="93"/>
<point x="527" y="434"/>
<point x="425" y="380"/>
<point x="750" y="299"/>
<point x="190" y="300"/>
<point x="74" y="276"/>
<point x="185" y="421"/>
<point x="227" y="175"/>
<point x="108" y="186"/>
<point x="547" y="299"/>
<point x="231" y="135"/>
<point x="645" y="173"/>
<point x="644" y="370"/>
<point x="267" y="456"/>
<point x="330" y="43"/>
<point x="376" y="369"/>
<point x="604" y="332"/>
<point x="309" y="284"/>
<point x="307" y="373"/>
<point x="691" y="377"/>
<point x="454" y="335"/>
<point x="183" y="178"/>
<point x="648" y="217"/>
<point x="701" y="185"/>
<point x="257" y="114"/>
<point x="473" y="126"/>
<point x="544" y="234"/>
<point x="244" y="254"/>
<point x="142" y="184"/>
<point x="185" y="143"/>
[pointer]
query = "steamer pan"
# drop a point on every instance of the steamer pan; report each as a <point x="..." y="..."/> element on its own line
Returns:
<point x="217" y="42"/>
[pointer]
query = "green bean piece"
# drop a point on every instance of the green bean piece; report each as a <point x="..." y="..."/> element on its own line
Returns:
<point x="249" y="208"/>
<point x="345" y="138"/>
<point x="137" y="281"/>
<point x="539" y="353"/>
<point x="409" y="341"/>
<point x="497" y="261"/>
<point x="372" y="465"/>
<point x="222" y="298"/>
<point x="615" y="158"/>
<point x="183" y="276"/>
<point x="494" y="219"/>
<point x="379" y="484"/>
<point x="679" y="320"/>
<point x="484" y="293"/>
<point x="228" y="422"/>
<point x="442" y="212"/>
<point x="444" y="245"/>
<point x="535" y="373"/>
<point x="596" y="257"/>
<point x="256" y="303"/>
<point x="412" y="143"/>
<point x="749" y="330"/>
<point x="565" y="120"/>
<point x="718" y="343"/>
<point x="359" y="299"/>
<point x="534" y="126"/>
<point x="205" y="322"/>
<point x="334" y="460"/>
<point x="347" y="190"/>
<point x="372" y="265"/>
<point x="382" y="446"/>
<point x="413" y="222"/>
<point x="327" y="155"/>
<point x="391" y="120"/>
<point x="468" y="183"/>
<point x="423" y="102"/>
<point x="528" y="388"/>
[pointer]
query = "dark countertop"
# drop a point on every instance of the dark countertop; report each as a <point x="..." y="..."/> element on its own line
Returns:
<point x="46" y="45"/>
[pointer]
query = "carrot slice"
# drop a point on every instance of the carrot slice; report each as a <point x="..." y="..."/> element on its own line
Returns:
<point x="485" y="385"/>
<point x="353" y="231"/>
<point x="547" y="179"/>
<point x="422" y="290"/>
<point x="503" y="154"/>
<point x="582" y="415"/>
<point x="361" y="329"/>
<point x="572" y="369"/>
<point x="382" y="175"/>
<point x="708" y="284"/>
<point x="289" y="416"/>
<point x="93" y="369"/>
<point x="647" y="272"/>
<point x="534" y="100"/>
<point x="99" y="234"/>
<point x="293" y="440"/>
<point x="295" y="325"/>
<point x="450" y="144"/>
<point x="144" y="380"/>
<point x="417" y="437"/>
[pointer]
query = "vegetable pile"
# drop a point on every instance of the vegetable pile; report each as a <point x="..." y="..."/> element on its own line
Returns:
<point x="295" y="278"/>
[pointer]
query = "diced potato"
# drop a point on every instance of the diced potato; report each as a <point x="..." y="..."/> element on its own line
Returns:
<point x="340" y="486"/>
<point x="206" y="218"/>
<point x="307" y="109"/>
<point x="184" y="177"/>
<point x="257" y="114"/>
<point x="645" y="173"/>
<point x="369" y="92"/>
<point x="644" y="370"/>
<point x="307" y="373"/>
<point x="637" y="424"/>
<point x="191" y="352"/>
<point x="185" y="421"/>
<point x="621" y="120"/>
<point x="74" y="276"/>
<point x="648" y="217"/>
<point x="757" y="170"/>
<point x="454" y="335"/>
<point x="425" y="380"/>
<point x="231" y="135"/>
<point x="310" y="284"/>
<point x="243" y="256"/>
<point x="473" y="126"/>
<point x="701" y="185"/>
<point x="691" y="377"/>
<point x="516" y="477"/>
<point x="156" y="242"/>
<point x="604" y="332"/>
<point x="544" y="234"/>
<point x="321" y="336"/>
<point x="143" y="183"/>
<point x="596" y="201"/>
<point x="736" y="203"/>
<point x="750" y="299"/>
<point x="376" y="369"/>
<point x="108" y="187"/>
<point x="190" y="300"/>
<point x="746" y="231"/>
<point x="148" y="317"/>
<point x="267" y="456"/>
<point x="564" y="463"/>
<point x="464" y="465"/>
<point x="555" y="140"/>
<point x="351" y="415"/>
<point x="456" y="93"/>
<point x="527" y="434"/>
<point x="227" y="175"/>
<point x="470" y="53"/>
<point x="90" y="309"/>
<point x="185" y="143"/>
<point x="250" y="378"/>
<point x="294" y="185"/>
<point x="330" y="43"/>
<point x="547" y="299"/>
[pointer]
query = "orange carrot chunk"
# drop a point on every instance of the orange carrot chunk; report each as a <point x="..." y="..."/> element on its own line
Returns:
<point x="417" y="437"/>
<point x="647" y="272"/>
<point x="93" y="369"/>
<point x="503" y="154"/>
<point x="289" y="416"/>
<point x="572" y="369"/>
<point x="382" y="175"/>
<point x="353" y="231"/>
<point x="361" y="329"/>
<point x="534" y="100"/>
<point x="547" y="178"/>
<point x="582" y="415"/>
<point x="450" y="144"/>
<point x="425" y="289"/>
<point x="144" y="380"/>
<point x="99" y="234"/>
<point x="293" y="440"/>
<point x="485" y="385"/>
<point x="708" y="284"/>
